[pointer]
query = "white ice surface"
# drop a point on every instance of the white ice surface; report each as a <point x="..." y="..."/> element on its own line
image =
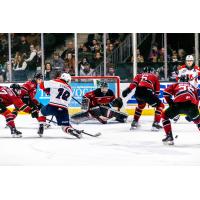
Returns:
<point x="116" y="146"/>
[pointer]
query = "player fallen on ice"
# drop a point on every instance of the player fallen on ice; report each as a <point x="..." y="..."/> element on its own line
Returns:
<point x="99" y="104"/>
<point x="185" y="102"/>
<point x="11" y="96"/>
<point x="60" y="96"/>
<point x="193" y="73"/>
<point x="28" y="92"/>
<point x="147" y="91"/>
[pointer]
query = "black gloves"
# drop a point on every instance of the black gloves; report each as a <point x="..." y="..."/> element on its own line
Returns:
<point x="34" y="113"/>
<point x="39" y="106"/>
<point x="126" y="92"/>
<point x="117" y="102"/>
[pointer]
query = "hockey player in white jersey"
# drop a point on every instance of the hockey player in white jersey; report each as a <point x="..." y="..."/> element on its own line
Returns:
<point x="60" y="97"/>
<point x="191" y="70"/>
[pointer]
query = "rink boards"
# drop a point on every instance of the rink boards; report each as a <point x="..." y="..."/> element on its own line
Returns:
<point x="79" y="89"/>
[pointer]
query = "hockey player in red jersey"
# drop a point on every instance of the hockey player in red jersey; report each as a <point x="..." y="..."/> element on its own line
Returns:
<point x="185" y="102"/>
<point x="147" y="91"/>
<point x="98" y="104"/>
<point x="8" y="97"/>
<point x="193" y="73"/>
<point x="28" y="92"/>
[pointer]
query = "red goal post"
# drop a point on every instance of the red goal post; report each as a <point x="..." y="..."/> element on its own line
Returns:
<point x="109" y="79"/>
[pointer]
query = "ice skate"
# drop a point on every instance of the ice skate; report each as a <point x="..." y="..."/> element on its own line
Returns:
<point x="41" y="130"/>
<point x="134" y="125"/>
<point x="15" y="133"/>
<point x="169" y="140"/>
<point x="156" y="126"/>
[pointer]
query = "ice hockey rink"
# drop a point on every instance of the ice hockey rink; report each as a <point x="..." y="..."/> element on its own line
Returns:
<point x="116" y="146"/>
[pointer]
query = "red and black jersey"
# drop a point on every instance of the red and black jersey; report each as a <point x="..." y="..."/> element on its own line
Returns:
<point x="29" y="88"/>
<point x="182" y="92"/>
<point x="99" y="98"/>
<point x="147" y="80"/>
<point x="8" y="98"/>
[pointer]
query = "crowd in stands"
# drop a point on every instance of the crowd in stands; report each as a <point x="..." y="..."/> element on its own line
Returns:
<point x="59" y="51"/>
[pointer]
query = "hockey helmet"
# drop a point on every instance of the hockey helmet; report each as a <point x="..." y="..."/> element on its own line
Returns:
<point x="38" y="76"/>
<point x="148" y="70"/>
<point x="103" y="84"/>
<point x="16" y="88"/>
<point x="66" y="77"/>
<point x="189" y="58"/>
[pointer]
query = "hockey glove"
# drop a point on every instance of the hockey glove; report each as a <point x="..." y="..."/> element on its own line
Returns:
<point x="34" y="113"/>
<point x="117" y="102"/>
<point x="126" y="92"/>
<point x="39" y="106"/>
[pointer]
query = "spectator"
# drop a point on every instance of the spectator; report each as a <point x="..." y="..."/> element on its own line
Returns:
<point x="181" y="55"/>
<point x="23" y="46"/>
<point x="92" y="46"/>
<point x="86" y="70"/>
<point x="153" y="57"/>
<point x="19" y="63"/>
<point x="19" y="68"/>
<point x="174" y="56"/>
<point x="31" y="62"/>
<point x="140" y="58"/>
<point x="110" y="48"/>
<point x="39" y="56"/>
<point x="161" y="55"/>
<point x="70" y="63"/>
<point x="69" y="49"/>
<point x="58" y="63"/>
<point x="97" y="59"/>
<point x="47" y="71"/>
<point x="69" y="70"/>
<point x="83" y="62"/>
<point x="111" y="70"/>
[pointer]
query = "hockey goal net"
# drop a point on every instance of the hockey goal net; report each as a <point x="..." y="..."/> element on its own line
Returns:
<point x="83" y="84"/>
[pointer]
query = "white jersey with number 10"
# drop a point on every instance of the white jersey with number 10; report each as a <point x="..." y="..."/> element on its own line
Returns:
<point x="60" y="93"/>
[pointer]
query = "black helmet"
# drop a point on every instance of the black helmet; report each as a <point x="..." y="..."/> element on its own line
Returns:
<point x="15" y="88"/>
<point x="38" y="76"/>
<point x="184" y="78"/>
<point x="148" y="70"/>
<point x="103" y="84"/>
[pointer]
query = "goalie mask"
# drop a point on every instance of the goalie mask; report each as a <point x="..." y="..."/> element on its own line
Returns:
<point x="104" y="87"/>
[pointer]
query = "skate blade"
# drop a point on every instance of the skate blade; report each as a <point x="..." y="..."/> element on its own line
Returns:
<point x="133" y="128"/>
<point x="16" y="136"/>
<point x="155" y="129"/>
<point x="170" y="143"/>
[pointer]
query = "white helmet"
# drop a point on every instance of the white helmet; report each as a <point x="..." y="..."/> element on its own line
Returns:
<point x="189" y="57"/>
<point x="66" y="77"/>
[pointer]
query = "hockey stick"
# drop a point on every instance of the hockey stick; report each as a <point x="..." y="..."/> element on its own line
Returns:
<point x="77" y="101"/>
<point x="92" y="135"/>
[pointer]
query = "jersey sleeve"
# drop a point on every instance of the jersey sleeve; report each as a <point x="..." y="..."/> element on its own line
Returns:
<point x="135" y="82"/>
<point x="20" y="105"/>
<point x="157" y="87"/>
<point x="168" y="93"/>
<point x="30" y="89"/>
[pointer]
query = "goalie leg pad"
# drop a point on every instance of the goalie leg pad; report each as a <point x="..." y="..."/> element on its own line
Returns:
<point x="80" y="117"/>
<point x="110" y="113"/>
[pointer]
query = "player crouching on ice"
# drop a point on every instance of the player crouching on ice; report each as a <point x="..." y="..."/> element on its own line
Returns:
<point x="98" y="105"/>
<point x="147" y="91"/>
<point x="60" y="96"/>
<point x="185" y="102"/>
<point x="11" y="96"/>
